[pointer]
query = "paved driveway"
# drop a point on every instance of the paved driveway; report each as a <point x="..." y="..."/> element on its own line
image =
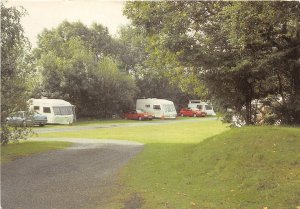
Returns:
<point x="82" y="176"/>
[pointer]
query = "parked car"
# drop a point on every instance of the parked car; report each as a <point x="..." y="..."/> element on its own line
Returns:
<point x="192" y="112"/>
<point x="137" y="115"/>
<point x="22" y="118"/>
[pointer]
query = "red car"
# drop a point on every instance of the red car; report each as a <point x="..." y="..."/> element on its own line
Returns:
<point x="191" y="112"/>
<point x="137" y="115"/>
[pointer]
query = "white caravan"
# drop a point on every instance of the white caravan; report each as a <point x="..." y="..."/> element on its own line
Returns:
<point x="203" y="106"/>
<point x="58" y="111"/>
<point x="158" y="108"/>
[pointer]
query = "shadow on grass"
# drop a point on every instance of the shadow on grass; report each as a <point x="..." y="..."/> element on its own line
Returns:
<point x="240" y="168"/>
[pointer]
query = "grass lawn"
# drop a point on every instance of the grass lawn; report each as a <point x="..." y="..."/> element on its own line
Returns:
<point x="86" y="123"/>
<point x="205" y="165"/>
<point x="251" y="168"/>
<point x="13" y="151"/>
<point x="185" y="132"/>
<point x="95" y="122"/>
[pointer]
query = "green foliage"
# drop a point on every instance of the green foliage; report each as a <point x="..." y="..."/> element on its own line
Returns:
<point x="16" y="71"/>
<point x="240" y="51"/>
<point x="151" y="66"/>
<point x="76" y="65"/>
<point x="13" y="134"/>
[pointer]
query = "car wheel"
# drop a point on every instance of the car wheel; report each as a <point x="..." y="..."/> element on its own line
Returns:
<point x="42" y="125"/>
<point x="24" y="124"/>
<point x="181" y="115"/>
<point x="140" y="118"/>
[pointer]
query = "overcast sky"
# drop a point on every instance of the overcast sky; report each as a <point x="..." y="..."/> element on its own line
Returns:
<point x="49" y="13"/>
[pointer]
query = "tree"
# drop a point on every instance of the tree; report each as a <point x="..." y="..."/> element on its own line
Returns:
<point x="274" y="43"/>
<point x="76" y="65"/>
<point x="151" y="74"/>
<point x="16" y="72"/>
<point x="230" y="47"/>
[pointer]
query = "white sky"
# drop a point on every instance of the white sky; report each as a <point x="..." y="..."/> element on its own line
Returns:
<point x="50" y="13"/>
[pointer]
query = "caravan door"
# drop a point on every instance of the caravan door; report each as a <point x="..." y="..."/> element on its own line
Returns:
<point x="157" y="110"/>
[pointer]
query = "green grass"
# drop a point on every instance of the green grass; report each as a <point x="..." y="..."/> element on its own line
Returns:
<point x="13" y="151"/>
<point x="87" y="122"/>
<point x="83" y="122"/>
<point x="185" y="132"/>
<point x="205" y="165"/>
<point x="251" y="167"/>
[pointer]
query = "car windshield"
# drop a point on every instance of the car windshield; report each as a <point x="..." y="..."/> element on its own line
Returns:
<point x="200" y="107"/>
<point x="139" y="111"/>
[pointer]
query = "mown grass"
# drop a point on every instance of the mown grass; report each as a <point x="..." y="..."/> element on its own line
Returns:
<point x="205" y="165"/>
<point x="183" y="132"/>
<point x="87" y="123"/>
<point x="13" y="151"/>
<point x="96" y="122"/>
<point x="251" y="167"/>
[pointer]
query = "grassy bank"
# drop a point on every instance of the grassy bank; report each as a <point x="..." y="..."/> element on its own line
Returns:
<point x="251" y="167"/>
<point x="13" y="151"/>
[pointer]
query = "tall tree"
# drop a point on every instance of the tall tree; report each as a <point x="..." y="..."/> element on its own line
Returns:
<point x="274" y="46"/>
<point x="151" y="75"/>
<point x="16" y="71"/>
<point x="230" y="47"/>
<point x="76" y="65"/>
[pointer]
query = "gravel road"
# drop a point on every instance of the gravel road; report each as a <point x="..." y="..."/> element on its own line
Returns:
<point x="80" y="177"/>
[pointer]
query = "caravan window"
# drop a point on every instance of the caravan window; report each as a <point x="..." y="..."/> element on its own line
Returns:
<point x="147" y="105"/>
<point x="169" y="108"/>
<point x="208" y="107"/>
<point x="46" y="110"/>
<point x="156" y="107"/>
<point x="62" y="110"/>
<point x="36" y="107"/>
<point x="56" y="111"/>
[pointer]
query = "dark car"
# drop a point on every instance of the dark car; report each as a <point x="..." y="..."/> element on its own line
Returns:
<point x="23" y="118"/>
<point x="192" y="112"/>
<point x="137" y="115"/>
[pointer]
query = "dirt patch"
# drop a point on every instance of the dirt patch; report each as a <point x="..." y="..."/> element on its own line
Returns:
<point x="135" y="202"/>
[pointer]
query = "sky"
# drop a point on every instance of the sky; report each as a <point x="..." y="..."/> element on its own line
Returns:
<point x="50" y="13"/>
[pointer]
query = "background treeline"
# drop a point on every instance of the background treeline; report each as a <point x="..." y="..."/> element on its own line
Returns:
<point x="242" y="53"/>
<point x="231" y="53"/>
<point x="97" y="73"/>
